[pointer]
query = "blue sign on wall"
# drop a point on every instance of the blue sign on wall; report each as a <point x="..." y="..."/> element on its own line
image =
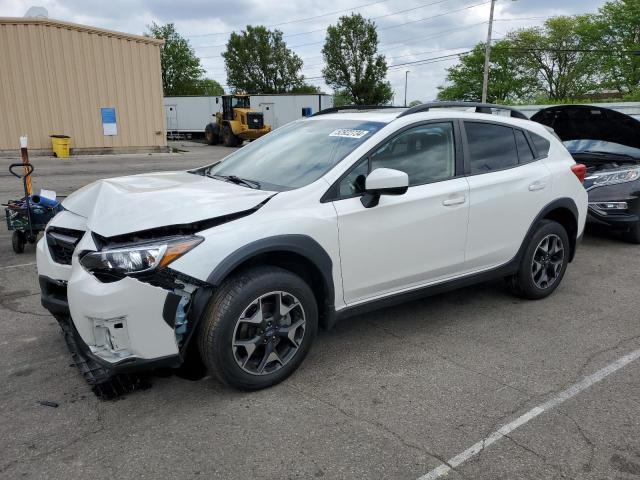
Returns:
<point x="109" y="124"/>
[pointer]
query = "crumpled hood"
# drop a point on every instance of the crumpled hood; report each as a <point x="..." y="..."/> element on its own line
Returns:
<point x="122" y="205"/>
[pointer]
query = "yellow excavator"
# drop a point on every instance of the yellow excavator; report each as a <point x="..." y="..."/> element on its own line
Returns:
<point x="235" y="123"/>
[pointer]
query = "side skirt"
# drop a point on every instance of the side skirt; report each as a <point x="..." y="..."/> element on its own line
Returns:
<point x="499" y="272"/>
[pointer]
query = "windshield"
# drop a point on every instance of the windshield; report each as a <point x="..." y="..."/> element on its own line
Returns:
<point x="295" y="155"/>
<point x="240" y="102"/>
<point x="582" y="146"/>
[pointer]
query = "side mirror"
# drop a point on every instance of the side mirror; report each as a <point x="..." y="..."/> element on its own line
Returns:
<point x="384" y="181"/>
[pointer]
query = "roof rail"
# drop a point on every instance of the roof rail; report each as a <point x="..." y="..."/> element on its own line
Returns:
<point x="480" y="108"/>
<point x="353" y="107"/>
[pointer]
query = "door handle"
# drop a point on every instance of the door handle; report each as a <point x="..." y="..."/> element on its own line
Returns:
<point x="537" y="186"/>
<point x="454" y="201"/>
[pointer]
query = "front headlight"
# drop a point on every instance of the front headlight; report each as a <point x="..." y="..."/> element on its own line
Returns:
<point x="139" y="258"/>
<point x="612" y="178"/>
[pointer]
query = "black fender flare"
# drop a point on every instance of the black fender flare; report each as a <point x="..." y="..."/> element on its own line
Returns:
<point x="564" y="203"/>
<point x="302" y="245"/>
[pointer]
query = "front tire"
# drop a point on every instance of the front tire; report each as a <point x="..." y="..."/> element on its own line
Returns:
<point x="230" y="140"/>
<point x="212" y="134"/>
<point x="258" y="328"/>
<point x="544" y="262"/>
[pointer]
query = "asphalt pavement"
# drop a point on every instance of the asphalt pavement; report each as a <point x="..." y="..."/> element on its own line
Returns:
<point x="473" y="383"/>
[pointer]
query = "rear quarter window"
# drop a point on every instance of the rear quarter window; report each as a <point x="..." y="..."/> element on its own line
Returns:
<point x="542" y="144"/>
<point x="525" y="155"/>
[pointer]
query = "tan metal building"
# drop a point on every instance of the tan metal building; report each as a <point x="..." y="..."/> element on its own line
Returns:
<point x="102" y="88"/>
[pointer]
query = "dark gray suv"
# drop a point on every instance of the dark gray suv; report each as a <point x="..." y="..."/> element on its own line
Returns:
<point x="608" y="143"/>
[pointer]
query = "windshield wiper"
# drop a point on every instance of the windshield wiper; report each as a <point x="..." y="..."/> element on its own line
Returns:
<point x="237" y="180"/>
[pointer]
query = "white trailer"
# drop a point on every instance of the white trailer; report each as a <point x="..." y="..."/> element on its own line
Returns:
<point x="280" y="109"/>
<point x="188" y="115"/>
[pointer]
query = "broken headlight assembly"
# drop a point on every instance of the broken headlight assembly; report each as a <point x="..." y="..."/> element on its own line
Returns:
<point x="615" y="177"/>
<point x="139" y="259"/>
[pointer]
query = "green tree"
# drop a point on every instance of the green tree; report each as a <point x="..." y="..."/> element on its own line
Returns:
<point x="507" y="81"/>
<point x="342" y="98"/>
<point x="306" y="88"/>
<point x="557" y="55"/>
<point x="619" y="27"/>
<point x="353" y="64"/>
<point x="207" y="86"/>
<point x="181" y="69"/>
<point x="257" y="60"/>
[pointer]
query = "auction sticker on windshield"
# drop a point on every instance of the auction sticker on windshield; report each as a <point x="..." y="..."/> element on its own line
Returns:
<point x="348" y="133"/>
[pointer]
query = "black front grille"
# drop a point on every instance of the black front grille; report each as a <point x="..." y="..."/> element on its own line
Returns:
<point x="62" y="242"/>
<point x="255" y="119"/>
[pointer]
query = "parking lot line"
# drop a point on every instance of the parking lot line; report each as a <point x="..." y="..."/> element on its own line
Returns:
<point x="15" y="266"/>
<point x="556" y="400"/>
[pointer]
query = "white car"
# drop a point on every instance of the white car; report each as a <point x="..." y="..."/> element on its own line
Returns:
<point x="239" y="262"/>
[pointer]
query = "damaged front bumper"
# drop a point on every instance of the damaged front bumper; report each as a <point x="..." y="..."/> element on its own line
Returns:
<point x="119" y="328"/>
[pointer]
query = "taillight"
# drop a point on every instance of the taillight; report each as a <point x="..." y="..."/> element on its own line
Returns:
<point x="580" y="171"/>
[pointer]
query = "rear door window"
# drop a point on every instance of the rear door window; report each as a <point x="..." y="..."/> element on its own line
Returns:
<point x="491" y="147"/>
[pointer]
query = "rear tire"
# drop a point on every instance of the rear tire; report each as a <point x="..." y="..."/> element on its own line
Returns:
<point x="212" y="134"/>
<point x="249" y="343"/>
<point x="633" y="235"/>
<point x="544" y="262"/>
<point x="230" y="140"/>
<point x="18" y="241"/>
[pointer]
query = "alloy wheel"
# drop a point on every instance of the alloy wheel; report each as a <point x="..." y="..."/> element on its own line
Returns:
<point x="548" y="260"/>
<point x="269" y="333"/>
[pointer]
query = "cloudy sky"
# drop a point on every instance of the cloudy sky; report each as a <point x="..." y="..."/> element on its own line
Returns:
<point x="409" y="30"/>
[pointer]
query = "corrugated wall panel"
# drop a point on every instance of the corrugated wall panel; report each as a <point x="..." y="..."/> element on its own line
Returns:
<point x="55" y="79"/>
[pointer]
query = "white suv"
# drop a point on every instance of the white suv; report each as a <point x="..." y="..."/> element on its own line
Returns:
<point x="237" y="263"/>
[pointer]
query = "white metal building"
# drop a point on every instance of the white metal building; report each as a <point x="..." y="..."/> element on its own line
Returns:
<point x="100" y="87"/>
<point x="190" y="114"/>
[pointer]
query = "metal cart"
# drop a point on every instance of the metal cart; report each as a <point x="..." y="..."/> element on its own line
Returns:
<point x="26" y="218"/>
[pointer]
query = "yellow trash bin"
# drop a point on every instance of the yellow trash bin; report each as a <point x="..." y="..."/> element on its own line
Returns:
<point x="60" y="145"/>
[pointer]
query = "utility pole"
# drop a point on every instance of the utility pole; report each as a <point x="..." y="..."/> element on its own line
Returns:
<point x="406" y="73"/>
<point x="487" y="55"/>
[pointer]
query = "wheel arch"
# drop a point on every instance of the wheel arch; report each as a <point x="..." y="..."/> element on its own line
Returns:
<point x="299" y="254"/>
<point x="565" y="212"/>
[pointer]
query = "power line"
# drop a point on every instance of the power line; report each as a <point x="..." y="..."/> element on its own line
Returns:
<point x="458" y="54"/>
<point x="430" y="60"/>
<point x="518" y="18"/>
<point x="295" y="21"/>
<point x="405" y="42"/>
<point x="324" y="29"/>
<point x="568" y="50"/>
<point x="407" y="55"/>
<point x="410" y="22"/>
<point x="402" y="43"/>
<point x="373" y="18"/>
<point x="424" y="61"/>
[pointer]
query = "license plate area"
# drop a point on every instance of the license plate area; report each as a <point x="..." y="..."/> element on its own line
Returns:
<point x="111" y="334"/>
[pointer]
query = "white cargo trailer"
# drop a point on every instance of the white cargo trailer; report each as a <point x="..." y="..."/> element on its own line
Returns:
<point x="188" y="115"/>
<point x="281" y="109"/>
